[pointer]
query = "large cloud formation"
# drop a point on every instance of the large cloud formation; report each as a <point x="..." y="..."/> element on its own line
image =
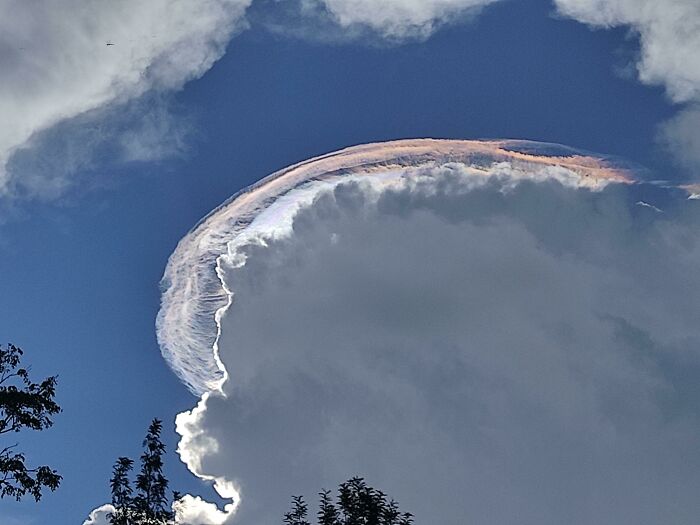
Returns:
<point x="495" y="332"/>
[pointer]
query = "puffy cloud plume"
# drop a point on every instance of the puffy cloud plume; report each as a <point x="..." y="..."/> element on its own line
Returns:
<point x="489" y="334"/>
<point x="100" y="516"/>
<point x="56" y="65"/>
<point x="669" y="33"/>
<point x="193" y="296"/>
<point x="192" y="510"/>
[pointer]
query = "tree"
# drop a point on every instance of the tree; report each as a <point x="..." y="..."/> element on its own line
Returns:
<point x="358" y="504"/>
<point x="298" y="514"/>
<point x="121" y="491"/>
<point x="24" y="404"/>
<point x="150" y="503"/>
<point x="327" y="511"/>
<point x="151" y="482"/>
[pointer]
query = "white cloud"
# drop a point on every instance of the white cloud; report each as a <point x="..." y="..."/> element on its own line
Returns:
<point x="669" y="33"/>
<point x="189" y="510"/>
<point x="100" y="516"/>
<point x="56" y="67"/>
<point x="481" y="336"/>
<point x="56" y="64"/>
<point x="195" y="511"/>
<point x="59" y="70"/>
<point x="399" y="19"/>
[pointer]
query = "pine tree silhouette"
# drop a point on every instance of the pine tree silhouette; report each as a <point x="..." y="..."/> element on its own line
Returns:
<point x="358" y="504"/>
<point x="149" y="505"/>
<point x="151" y="485"/>
<point x="297" y="516"/>
<point x="121" y="492"/>
<point x="327" y="512"/>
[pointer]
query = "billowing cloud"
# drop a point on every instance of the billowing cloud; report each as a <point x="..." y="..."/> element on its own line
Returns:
<point x="669" y="34"/>
<point x="57" y="66"/>
<point x="99" y="516"/>
<point x="193" y="295"/>
<point x="193" y="510"/>
<point x="491" y="332"/>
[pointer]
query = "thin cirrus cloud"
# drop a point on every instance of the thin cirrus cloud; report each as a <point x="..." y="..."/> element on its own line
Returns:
<point x="490" y="332"/>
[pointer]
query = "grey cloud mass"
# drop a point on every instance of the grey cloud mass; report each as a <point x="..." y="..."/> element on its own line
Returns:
<point x="523" y="354"/>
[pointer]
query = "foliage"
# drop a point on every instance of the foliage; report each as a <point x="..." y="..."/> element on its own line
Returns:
<point x="149" y="504"/>
<point x="358" y="504"/>
<point x="121" y="492"/>
<point x="24" y="404"/>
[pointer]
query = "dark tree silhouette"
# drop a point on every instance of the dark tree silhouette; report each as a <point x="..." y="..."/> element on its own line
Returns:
<point x="358" y="504"/>
<point x="298" y="514"/>
<point x="327" y="512"/>
<point x="23" y="404"/>
<point x="150" y="483"/>
<point x="149" y="504"/>
<point x="121" y="492"/>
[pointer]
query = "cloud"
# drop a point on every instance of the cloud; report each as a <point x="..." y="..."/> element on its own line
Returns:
<point x="70" y="102"/>
<point x="194" y="510"/>
<point x="399" y="19"/>
<point x="669" y="34"/>
<point x="189" y="510"/>
<point x="100" y="516"/>
<point x="681" y="134"/>
<point x="79" y="151"/>
<point x="489" y="332"/>
<point x="389" y="21"/>
<point x="56" y="64"/>
<point x="192" y="293"/>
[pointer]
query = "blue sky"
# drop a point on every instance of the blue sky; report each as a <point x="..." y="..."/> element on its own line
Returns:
<point x="79" y="275"/>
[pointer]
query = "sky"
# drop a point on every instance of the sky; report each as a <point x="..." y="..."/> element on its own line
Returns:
<point x="109" y="160"/>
